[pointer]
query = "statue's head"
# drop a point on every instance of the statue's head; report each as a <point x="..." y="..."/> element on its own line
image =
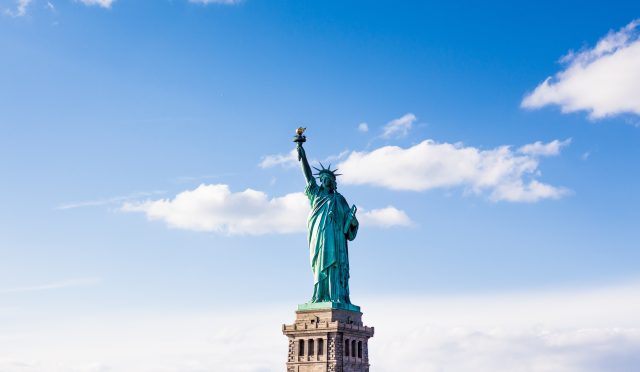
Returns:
<point x="327" y="177"/>
<point x="328" y="181"/>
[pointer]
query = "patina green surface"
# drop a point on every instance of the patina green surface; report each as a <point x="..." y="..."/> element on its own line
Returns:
<point x="328" y="305"/>
<point x="331" y="224"/>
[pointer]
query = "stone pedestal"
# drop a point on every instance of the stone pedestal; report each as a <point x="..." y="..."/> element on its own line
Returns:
<point x="328" y="340"/>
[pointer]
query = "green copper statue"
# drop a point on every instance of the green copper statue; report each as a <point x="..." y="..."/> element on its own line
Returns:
<point x="330" y="225"/>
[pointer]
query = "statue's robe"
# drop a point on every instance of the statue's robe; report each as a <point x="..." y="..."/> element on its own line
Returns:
<point x="328" y="244"/>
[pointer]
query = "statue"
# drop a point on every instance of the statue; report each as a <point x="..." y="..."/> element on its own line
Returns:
<point x="331" y="224"/>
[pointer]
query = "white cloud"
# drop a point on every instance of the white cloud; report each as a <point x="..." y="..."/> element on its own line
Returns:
<point x="100" y="3"/>
<point x="603" y="80"/>
<point x="215" y="208"/>
<point x="67" y="283"/>
<point x="287" y="160"/>
<point x="363" y="127"/>
<point x="505" y="174"/>
<point x="399" y="127"/>
<point x="591" y="330"/>
<point x="223" y="2"/>
<point x="520" y="191"/>
<point x="385" y="217"/>
<point x="544" y="149"/>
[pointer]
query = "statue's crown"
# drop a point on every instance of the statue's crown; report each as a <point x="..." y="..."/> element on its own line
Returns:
<point x="326" y="171"/>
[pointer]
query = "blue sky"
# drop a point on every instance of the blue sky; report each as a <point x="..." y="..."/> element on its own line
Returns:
<point x="131" y="130"/>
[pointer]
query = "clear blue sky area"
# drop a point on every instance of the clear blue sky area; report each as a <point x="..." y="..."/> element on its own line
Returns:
<point x="146" y="99"/>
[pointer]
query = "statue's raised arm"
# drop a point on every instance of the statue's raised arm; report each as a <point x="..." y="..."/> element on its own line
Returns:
<point x="302" y="156"/>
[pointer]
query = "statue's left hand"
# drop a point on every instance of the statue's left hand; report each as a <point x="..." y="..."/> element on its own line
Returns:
<point x="354" y="221"/>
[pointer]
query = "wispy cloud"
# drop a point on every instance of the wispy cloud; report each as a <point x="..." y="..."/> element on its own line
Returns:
<point x="108" y="201"/>
<point x="22" y="6"/>
<point x="363" y="127"/>
<point x="61" y="284"/>
<point x="215" y="208"/>
<point x="222" y="2"/>
<point x="101" y="3"/>
<point x="603" y="80"/>
<point x="399" y="127"/>
<point x="333" y="158"/>
<point x="20" y="10"/>
<point x="288" y="160"/>
<point x="505" y="174"/>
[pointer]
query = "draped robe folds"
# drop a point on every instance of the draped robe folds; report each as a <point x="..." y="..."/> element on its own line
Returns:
<point x="328" y="244"/>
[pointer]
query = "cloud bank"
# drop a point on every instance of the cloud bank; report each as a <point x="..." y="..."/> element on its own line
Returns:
<point x="603" y="80"/>
<point x="590" y="330"/>
<point x="553" y="331"/>
<point x="505" y="174"/>
<point x="215" y="208"/>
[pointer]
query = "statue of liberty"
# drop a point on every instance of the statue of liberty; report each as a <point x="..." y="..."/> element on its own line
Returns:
<point x="330" y="225"/>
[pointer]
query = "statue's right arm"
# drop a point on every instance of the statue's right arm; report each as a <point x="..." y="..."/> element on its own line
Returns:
<point x="306" y="169"/>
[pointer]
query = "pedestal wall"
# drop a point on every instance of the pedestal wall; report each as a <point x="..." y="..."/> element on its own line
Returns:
<point x="329" y="340"/>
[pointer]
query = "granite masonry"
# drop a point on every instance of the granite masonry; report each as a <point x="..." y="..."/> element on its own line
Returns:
<point x="328" y="340"/>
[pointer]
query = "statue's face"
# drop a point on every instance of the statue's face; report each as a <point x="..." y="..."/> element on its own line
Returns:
<point x="328" y="182"/>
